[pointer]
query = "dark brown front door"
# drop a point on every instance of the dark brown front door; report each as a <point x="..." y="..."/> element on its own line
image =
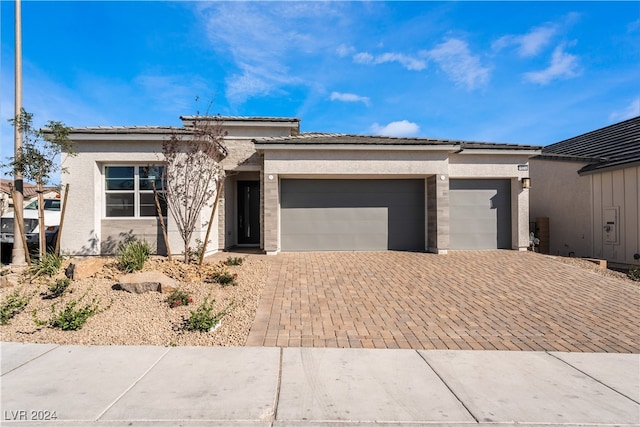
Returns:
<point x="248" y="212"/>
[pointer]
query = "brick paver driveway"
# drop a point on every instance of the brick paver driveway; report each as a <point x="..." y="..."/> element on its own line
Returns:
<point x="492" y="300"/>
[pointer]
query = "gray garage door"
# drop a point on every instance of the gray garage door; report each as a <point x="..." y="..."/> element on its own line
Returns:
<point x="480" y="212"/>
<point x="363" y="215"/>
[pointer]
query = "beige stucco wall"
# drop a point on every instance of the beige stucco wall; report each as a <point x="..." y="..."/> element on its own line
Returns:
<point x="560" y="194"/>
<point x="86" y="230"/>
<point x="399" y="163"/>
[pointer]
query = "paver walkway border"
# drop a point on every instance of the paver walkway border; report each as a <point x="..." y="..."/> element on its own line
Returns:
<point x="468" y="300"/>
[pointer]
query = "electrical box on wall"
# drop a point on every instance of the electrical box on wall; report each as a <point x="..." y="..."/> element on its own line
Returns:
<point x="610" y="218"/>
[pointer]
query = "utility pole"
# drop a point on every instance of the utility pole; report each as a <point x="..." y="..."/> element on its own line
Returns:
<point x="18" y="252"/>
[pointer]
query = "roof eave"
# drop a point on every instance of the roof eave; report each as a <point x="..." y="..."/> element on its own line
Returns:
<point x="261" y="146"/>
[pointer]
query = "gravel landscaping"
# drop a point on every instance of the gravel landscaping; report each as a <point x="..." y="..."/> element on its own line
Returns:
<point x="125" y="318"/>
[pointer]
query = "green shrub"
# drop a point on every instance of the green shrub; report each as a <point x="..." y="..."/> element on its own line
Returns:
<point x="132" y="254"/>
<point x="71" y="318"/>
<point x="58" y="288"/>
<point x="11" y="306"/>
<point x="193" y="255"/>
<point x="223" y="278"/>
<point x="203" y="318"/>
<point x="178" y="298"/>
<point x="634" y="274"/>
<point x="48" y="265"/>
<point x="234" y="261"/>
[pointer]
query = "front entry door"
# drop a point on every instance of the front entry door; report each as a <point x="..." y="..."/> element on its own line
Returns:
<point x="248" y="212"/>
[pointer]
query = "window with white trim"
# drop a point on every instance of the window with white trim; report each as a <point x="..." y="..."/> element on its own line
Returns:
<point x="129" y="191"/>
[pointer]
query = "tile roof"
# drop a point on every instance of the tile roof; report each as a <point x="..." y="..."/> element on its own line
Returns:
<point x="610" y="147"/>
<point x="243" y="118"/>
<point x="316" y="138"/>
<point x="28" y="190"/>
<point x="126" y="129"/>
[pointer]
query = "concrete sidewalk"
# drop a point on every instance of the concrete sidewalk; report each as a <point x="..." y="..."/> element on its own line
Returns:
<point x="267" y="386"/>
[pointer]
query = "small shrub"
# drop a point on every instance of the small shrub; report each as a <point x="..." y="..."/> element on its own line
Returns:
<point x="234" y="261"/>
<point x="58" y="288"/>
<point x="203" y="318"/>
<point x="12" y="305"/>
<point x="48" y="265"/>
<point x="193" y="255"/>
<point x="178" y="298"/>
<point x="634" y="274"/>
<point x="223" y="278"/>
<point x="71" y="318"/>
<point x="132" y="254"/>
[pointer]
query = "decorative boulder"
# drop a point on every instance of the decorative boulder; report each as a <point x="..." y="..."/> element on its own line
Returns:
<point x="84" y="268"/>
<point x="138" y="283"/>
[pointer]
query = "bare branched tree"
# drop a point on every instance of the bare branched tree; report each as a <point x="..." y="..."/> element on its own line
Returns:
<point x="38" y="160"/>
<point x="193" y="172"/>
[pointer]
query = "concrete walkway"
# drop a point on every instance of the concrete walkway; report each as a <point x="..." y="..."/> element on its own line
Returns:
<point x="268" y="386"/>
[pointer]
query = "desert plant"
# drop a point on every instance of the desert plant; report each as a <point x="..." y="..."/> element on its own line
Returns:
<point x="223" y="278"/>
<point x="48" y="265"/>
<point x="178" y="298"/>
<point x="203" y="318"/>
<point x="193" y="174"/>
<point x="634" y="274"/>
<point x="132" y="254"/>
<point x="193" y="255"/>
<point x="13" y="304"/>
<point x="58" y="287"/>
<point x="71" y="318"/>
<point x="234" y="261"/>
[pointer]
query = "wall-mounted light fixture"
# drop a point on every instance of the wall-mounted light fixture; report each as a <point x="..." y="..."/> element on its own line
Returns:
<point x="526" y="182"/>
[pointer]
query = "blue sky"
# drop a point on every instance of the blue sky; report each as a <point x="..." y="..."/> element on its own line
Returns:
<point x="517" y="72"/>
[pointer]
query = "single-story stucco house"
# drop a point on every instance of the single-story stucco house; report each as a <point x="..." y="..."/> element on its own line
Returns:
<point x="290" y="191"/>
<point x="588" y="187"/>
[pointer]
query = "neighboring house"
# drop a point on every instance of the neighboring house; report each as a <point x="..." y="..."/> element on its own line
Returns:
<point x="29" y="193"/>
<point x="291" y="191"/>
<point x="588" y="187"/>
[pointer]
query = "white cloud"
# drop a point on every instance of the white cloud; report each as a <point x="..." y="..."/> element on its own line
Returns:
<point x="630" y="111"/>
<point x="349" y="97"/>
<point x="529" y="44"/>
<point x="563" y="65"/>
<point x="399" y="129"/>
<point x="408" y="62"/>
<point x="455" y="59"/>
<point x="263" y="39"/>
<point x="343" y="50"/>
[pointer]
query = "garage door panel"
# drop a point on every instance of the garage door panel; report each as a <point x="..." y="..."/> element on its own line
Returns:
<point x="352" y="214"/>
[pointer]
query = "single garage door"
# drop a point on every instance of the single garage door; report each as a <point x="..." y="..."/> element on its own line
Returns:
<point x="353" y="215"/>
<point x="480" y="213"/>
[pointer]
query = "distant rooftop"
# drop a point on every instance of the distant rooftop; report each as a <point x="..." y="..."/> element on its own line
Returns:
<point x="613" y="146"/>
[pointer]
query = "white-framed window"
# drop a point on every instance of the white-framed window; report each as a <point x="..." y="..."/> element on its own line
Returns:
<point x="129" y="191"/>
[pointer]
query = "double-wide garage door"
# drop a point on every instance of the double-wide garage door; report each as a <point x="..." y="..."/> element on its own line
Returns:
<point x="361" y="215"/>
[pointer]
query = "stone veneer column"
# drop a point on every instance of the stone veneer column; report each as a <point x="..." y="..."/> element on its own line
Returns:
<point x="271" y="213"/>
<point x="221" y="212"/>
<point x="438" y="214"/>
<point x="519" y="216"/>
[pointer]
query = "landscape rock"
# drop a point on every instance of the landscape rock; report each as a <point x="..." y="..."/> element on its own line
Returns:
<point x="84" y="268"/>
<point x="146" y="281"/>
<point x="9" y="280"/>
